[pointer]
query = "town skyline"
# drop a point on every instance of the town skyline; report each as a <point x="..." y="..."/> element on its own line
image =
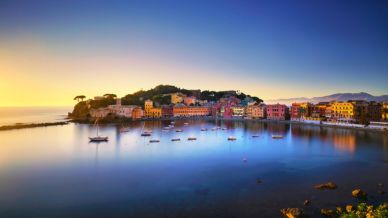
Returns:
<point x="52" y="51"/>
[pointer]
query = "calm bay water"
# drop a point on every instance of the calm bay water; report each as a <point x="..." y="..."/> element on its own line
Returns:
<point x="12" y="115"/>
<point x="56" y="172"/>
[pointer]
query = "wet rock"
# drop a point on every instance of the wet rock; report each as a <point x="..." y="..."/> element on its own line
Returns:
<point x="358" y="193"/>
<point x="381" y="192"/>
<point x="339" y="210"/>
<point x="306" y="202"/>
<point x="328" y="185"/>
<point x="292" y="212"/>
<point x="349" y="208"/>
<point x="328" y="212"/>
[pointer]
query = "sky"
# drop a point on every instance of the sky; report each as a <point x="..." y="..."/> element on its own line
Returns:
<point x="51" y="51"/>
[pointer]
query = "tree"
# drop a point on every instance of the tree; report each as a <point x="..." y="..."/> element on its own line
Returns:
<point x="110" y="95"/>
<point x="79" y="98"/>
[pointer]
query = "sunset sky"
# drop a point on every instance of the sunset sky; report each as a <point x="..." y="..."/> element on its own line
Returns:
<point x="51" y="51"/>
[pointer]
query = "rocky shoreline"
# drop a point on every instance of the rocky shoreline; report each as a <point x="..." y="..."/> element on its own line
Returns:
<point x="31" y="125"/>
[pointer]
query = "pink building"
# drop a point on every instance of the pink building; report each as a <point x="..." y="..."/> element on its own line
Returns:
<point x="277" y="112"/>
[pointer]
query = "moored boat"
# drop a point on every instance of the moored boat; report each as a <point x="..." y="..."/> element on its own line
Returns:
<point x="277" y="136"/>
<point x="191" y="138"/>
<point x="175" y="139"/>
<point x="154" y="140"/>
<point x="178" y="130"/>
<point x="98" y="138"/>
<point x="231" y="138"/>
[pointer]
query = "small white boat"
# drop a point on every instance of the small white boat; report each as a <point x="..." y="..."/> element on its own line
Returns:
<point x="214" y="128"/>
<point x="172" y="122"/>
<point x="185" y="124"/>
<point x="154" y="140"/>
<point x="178" y="130"/>
<point x="204" y="129"/>
<point x="146" y="134"/>
<point x="175" y="139"/>
<point x="224" y="128"/>
<point x="98" y="138"/>
<point x="231" y="138"/>
<point x="191" y="138"/>
<point x="277" y="136"/>
<point x="166" y="128"/>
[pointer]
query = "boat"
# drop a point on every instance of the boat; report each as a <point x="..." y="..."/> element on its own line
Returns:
<point x="191" y="138"/>
<point x="146" y="133"/>
<point x="178" y="130"/>
<point x="204" y="129"/>
<point x="185" y="124"/>
<point x="98" y="138"/>
<point x="154" y="140"/>
<point x="172" y="122"/>
<point x="277" y="136"/>
<point x="214" y="128"/>
<point x="224" y="128"/>
<point x="255" y="136"/>
<point x="231" y="138"/>
<point x="175" y="139"/>
<point x="166" y="128"/>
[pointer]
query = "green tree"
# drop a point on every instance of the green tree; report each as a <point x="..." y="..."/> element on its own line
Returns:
<point x="79" y="98"/>
<point x="110" y="96"/>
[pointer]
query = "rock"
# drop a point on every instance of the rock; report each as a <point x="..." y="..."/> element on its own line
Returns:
<point x="328" y="212"/>
<point x="339" y="210"/>
<point x="328" y="185"/>
<point x="358" y="193"/>
<point x="306" y="202"/>
<point x="381" y="192"/>
<point x="381" y="184"/>
<point x="349" y="208"/>
<point x="292" y="212"/>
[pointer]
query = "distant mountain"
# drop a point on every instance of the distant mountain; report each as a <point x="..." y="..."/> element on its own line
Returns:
<point x="334" y="97"/>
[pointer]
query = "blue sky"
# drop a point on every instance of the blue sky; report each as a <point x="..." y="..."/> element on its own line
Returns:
<point x="272" y="49"/>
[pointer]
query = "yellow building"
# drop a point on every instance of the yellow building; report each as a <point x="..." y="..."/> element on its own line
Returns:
<point x="150" y="111"/>
<point x="384" y="112"/>
<point x="343" y="110"/>
<point x="177" y="98"/>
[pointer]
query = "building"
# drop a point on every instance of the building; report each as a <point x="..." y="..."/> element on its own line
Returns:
<point x="384" y="111"/>
<point x="360" y="109"/>
<point x="137" y="113"/>
<point x="190" y="100"/>
<point x="256" y="111"/>
<point x="190" y="111"/>
<point x="238" y="111"/>
<point x="277" y="112"/>
<point x="301" y="111"/>
<point x="150" y="111"/>
<point x="319" y="110"/>
<point x="167" y="111"/>
<point x="342" y="111"/>
<point x="99" y="112"/>
<point x="374" y="111"/>
<point x="177" y="98"/>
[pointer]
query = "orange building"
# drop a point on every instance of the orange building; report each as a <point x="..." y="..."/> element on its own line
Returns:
<point x="137" y="113"/>
<point x="186" y="111"/>
<point x="256" y="111"/>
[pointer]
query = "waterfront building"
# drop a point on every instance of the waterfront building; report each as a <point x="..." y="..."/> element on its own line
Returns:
<point x="151" y="111"/>
<point x="137" y="113"/>
<point x="343" y="111"/>
<point x="256" y="111"/>
<point x="238" y="111"/>
<point x="177" y="98"/>
<point x="319" y="110"/>
<point x="190" y="100"/>
<point x="167" y="111"/>
<point x="99" y="112"/>
<point x="374" y="111"/>
<point x="277" y="112"/>
<point x="301" y="111"/>
<point x="182" y="110"/>
<point x="360" y="109"/>
<point x="384" y="111"/>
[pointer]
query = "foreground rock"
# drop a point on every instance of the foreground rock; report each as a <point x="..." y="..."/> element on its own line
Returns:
<point x="328" y="185"/>
<point x="292" y="212"/>
<point x="358" y="193"/>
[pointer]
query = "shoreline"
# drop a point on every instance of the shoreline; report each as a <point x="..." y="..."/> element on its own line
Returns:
<point x="31" y="125"/>
<point x="239" y="119"/>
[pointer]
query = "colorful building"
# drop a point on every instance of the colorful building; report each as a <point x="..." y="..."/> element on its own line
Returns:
<point x="150" y="111"/>
<point x="177" y="98"/>
<point x="343" y="111"/>
<point x="190" y="111"/>
<point x="384" y="111"/>
<point x="301" y="111"/>
<point x="238" y="111"/>
<point x="137" y="113"/>
<point x="319" y="110"/>
<point x="256" y="111"/>
<point x="167" y="111"/>
<point x="374" y="111"/>
<point x="277" y="112"/>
